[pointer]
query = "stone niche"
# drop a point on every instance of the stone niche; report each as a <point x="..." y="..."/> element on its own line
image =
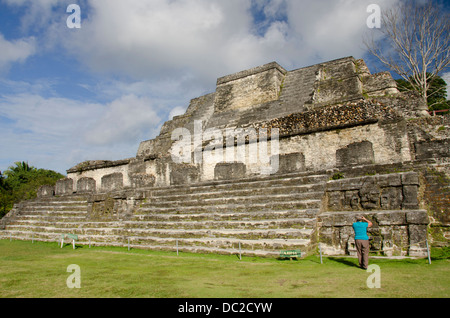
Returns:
<point x="112" y="182"/>
<point x="46" y="191"/>
<point x="86" y="185"/>
<point x="358" y="153"/>
<point x="245" y="89"/>
<point x="64" y="187"/>
<point x="138" y="176"/>
<point x="182" y="174"/>
<point x="291" y="162"/>
<point x="229" y="171"/>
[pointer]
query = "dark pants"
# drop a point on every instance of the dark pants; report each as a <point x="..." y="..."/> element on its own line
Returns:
<point x="362" y="247"/>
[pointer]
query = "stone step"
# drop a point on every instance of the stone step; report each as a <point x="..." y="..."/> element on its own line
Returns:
<point x="69" y="200"/>
<point x="41" y="207"/>
<point x="237" y="207"/>
<point x="211" y="244"/>
<point x="208" y="193"/>
<point x="119" y="234"/>
<point x="230" y="215"/>
<point x="247" y="184"/>
<point x="60" y="217"/>
<point x="247" y="200"/>
<point x="49" y="212"/>
<point x="265" y="214"/>
<point x="219" y="246"/>
<point x="298" y="222"/>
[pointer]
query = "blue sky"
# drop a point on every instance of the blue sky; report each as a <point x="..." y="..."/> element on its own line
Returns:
<point x="94" y="93"/>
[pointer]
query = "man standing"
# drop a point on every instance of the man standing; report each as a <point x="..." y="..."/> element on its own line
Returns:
<point x="362" y="240"/>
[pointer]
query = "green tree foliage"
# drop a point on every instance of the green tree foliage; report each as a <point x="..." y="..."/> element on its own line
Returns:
<point x="21" y="183"/>
<point x="436" y="95"/>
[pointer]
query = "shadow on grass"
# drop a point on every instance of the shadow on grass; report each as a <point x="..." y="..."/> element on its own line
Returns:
<point x="344" y="261"/>
<point x="283" y="259"/>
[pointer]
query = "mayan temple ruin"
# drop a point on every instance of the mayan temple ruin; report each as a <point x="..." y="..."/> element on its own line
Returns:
<point x="272" y="160"/>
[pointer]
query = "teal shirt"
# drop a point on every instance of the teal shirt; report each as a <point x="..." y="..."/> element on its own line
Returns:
<point x="360" y="229"/>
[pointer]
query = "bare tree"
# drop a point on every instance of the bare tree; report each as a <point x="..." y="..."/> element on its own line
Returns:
<point x="414" y="43"/>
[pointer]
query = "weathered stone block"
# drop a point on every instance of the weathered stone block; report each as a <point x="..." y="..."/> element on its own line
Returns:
<point x="370" y="194"/>
<point x="352" y="200"/>
<point x="379" y="84"/>
<point x="138" y="175"/>
<point x="417" y="217"/>
<point x="389" y="180"/>
<point x="291" y="162"/>
<point x="351" y="247"/>
<point x="142" y="180"/>
<point x="112" y="182"/>
<point x="355" y="154"/>
<point x="391" y="198"/>
<point x="86" y="185"/>
<point x="46" y="191"/>
<point x="326" y="235"/>
<point x="433" y="149"/>
<point x="332" y="91"/>
<point x="64" y="187"/>
<point x="229" y="171"/>
<point x="335" y="200"/>
<point x="390" y="218"/>
<point x="183" y="174"/>
<point x="410" y="200"/>
<point x="410" y="178"/>
<point x="417" y="239"/>
<point x="248" y="88"/>
<point x="417" y="234"/>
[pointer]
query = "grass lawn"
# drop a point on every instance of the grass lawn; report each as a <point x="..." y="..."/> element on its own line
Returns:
<point x="39" y="270"/>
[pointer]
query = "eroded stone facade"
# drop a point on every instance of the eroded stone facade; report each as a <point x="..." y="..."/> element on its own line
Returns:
<point x="335" y="120"/>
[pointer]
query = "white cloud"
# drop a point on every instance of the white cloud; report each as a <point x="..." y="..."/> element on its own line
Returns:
<point x="206" y="39"/>
<point x="124" y="120"/>
<point x="15" y="51"/>
<point x="64" y="132"/>
<point x="331" y="29"/>
<point x="161" y="38"/>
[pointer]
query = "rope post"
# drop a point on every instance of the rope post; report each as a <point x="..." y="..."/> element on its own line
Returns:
<point x="428" y="252"/>
<point x="320" y="251"/>
<point x="89" y="242"/>
<point x="128" y="243"/>
<point x="240" y="252"/>
<point x="177" y="247"/>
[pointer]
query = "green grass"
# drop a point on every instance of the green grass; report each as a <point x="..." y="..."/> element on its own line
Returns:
<point x="40" y="270"/>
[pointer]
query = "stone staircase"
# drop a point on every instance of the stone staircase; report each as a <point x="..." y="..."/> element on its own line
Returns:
<point x="45" y="219"/>
<point x="263" y="216"/>
<point x="258" y="216"/>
